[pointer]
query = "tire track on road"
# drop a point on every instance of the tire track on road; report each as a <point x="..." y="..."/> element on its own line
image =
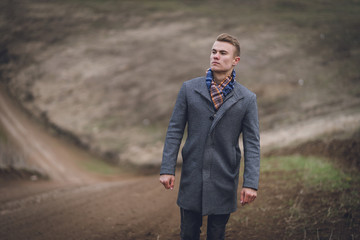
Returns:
<point x="40" y="151"/>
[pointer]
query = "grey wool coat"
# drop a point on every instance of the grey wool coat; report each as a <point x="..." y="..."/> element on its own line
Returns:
<point x="211" y="154"/>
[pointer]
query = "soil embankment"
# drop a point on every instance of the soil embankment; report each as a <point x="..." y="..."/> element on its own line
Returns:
<point x="51" y="156"/>
<point x="108" y="73"/>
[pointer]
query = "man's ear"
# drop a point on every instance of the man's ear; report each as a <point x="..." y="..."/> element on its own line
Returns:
<point x="236" y="60"/>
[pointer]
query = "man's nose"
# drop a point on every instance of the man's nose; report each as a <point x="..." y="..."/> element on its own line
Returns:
<point x="216" y="56"/>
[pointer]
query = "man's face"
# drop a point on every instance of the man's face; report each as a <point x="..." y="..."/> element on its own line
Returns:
<point x="222" y="57"/>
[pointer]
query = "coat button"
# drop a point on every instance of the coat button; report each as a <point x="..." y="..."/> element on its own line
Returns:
<point x="211" y="118"/>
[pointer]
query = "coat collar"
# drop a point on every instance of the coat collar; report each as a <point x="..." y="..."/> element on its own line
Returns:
<point x="233" y="97"/>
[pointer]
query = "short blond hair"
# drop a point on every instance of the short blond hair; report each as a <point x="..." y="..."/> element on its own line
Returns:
<point x="224" y="37"/>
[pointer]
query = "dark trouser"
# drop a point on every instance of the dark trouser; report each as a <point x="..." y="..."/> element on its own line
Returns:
<point x="192" y="221"/>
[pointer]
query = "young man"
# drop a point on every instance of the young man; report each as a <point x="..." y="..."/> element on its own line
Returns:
<point x="217" y="109"/>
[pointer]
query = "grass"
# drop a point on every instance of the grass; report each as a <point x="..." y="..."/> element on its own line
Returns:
<point x="317" y="199"/>
<point x="311" y="171"/>
<point x="101" y="167"/>
<point x="301" y="198"/>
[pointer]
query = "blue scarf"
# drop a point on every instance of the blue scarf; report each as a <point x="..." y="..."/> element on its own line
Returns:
<point x="227" y="89"/>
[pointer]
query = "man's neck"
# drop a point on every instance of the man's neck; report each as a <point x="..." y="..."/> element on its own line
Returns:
<point x="220" y="76"/>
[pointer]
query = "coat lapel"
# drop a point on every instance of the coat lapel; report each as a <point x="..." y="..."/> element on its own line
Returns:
<point x="233" y="97"/>
<point x="203" y="90"/>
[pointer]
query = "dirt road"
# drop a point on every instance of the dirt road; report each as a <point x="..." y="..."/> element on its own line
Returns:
<point x="41" y="149"/>
<point x="76" y="204"/>
<point x="126" y="209"/>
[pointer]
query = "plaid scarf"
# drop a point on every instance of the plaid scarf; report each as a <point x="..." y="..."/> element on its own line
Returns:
<point x="219" y="92"/>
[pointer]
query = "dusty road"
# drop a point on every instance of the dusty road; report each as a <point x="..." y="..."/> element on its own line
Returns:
<point x="126" y="209"/>
<point x="76" y="204"/>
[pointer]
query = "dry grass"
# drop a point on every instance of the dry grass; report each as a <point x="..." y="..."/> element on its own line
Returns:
<point x="301" y="198"/>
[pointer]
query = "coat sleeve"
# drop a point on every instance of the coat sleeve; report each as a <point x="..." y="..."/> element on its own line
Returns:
<point x="251" y="140"/>
<point x="174" y="134"/>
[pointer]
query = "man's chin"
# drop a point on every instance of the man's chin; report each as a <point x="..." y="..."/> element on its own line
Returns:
<point x="217" y="70"/>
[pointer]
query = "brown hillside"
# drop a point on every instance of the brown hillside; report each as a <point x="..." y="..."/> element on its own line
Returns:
<point x="107" y="72"/>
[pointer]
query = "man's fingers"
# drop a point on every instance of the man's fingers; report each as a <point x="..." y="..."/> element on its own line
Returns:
<point x="167" y="181"/>
<point x="242" y="197"/>
<point x="172" y="183"/>
<point x="245" y="199"/>
<point x="247" y="196"/>
<point x="251" y="198"/>
<point x="163" y="181"/>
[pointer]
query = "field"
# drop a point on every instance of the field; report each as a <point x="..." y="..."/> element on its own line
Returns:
<point x="104" y="76"/>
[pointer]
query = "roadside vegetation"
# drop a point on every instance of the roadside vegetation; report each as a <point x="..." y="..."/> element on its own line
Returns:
<point x="301" y="198"/>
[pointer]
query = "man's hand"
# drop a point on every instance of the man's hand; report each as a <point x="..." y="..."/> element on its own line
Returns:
<point x="247" y="195"/>
<point x="168" y="181"/>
